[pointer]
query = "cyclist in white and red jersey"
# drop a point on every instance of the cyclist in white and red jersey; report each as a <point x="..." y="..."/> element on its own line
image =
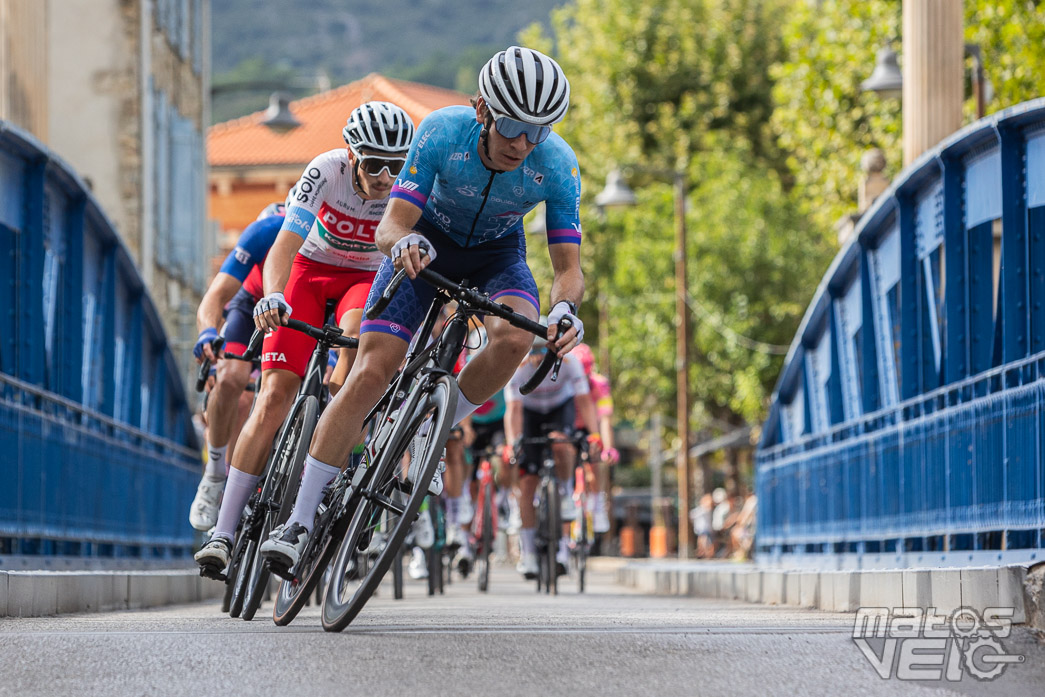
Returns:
<point x="553" y="405"/>
<point x="471" y="176"/>
<point x="229" y="294"/>
<point x="325" y="251"/>
<point x="599" y="385"/>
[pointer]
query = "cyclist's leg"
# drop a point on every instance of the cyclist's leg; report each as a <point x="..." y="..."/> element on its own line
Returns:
<point x="349" y="316"/>
<point x="382" y="346"/>
<point x="284" y="357"/>
<point x="243" y="406"/>
<point x="222" y="414"/>
<point x="529" y="466"/>
<point x="565" y="456"/>
<point x="459" y="502"/>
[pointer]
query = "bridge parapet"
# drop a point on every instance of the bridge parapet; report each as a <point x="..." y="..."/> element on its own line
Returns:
<point x="98" y="455"/>
<point x="909" y="418"/>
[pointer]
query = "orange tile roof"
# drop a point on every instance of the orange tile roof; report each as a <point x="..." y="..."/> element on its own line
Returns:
<point x="245" y="142"/>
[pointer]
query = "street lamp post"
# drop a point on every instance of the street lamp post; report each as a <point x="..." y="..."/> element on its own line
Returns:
<point x="617" y="193"/>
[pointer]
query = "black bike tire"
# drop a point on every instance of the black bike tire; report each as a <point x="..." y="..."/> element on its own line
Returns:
<point x="232" y="574"/>
<point x="582" y="547"/>
<point x="442" y="400"/>
<point x="287" y="475"/>
<point x="553" y="534"/>
<point x="397" y="575"/>
<point x="287" y="605"/>
<point x="239" y="583"/>
<point x="486" y="539"/>
<point x="432" y="562"/>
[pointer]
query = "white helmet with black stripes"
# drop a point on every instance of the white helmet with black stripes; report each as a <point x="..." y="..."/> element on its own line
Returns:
<point x="525" y="85"/>
<point x="380" y="126"/>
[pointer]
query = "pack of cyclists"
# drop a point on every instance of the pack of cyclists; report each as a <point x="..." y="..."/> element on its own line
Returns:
<point x="452" y="198"/>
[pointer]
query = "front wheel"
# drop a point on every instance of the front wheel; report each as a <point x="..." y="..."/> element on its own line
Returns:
<point x="281" y="490"/>
<point x="425" y="435"/>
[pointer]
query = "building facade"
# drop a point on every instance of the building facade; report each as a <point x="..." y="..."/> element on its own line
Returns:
<point x="118" y="89"/>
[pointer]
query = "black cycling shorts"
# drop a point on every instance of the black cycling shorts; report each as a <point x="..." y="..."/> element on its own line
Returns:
<point x="559" y="419"/>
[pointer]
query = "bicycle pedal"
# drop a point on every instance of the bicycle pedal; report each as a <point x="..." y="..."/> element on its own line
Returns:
<point x="213" y="573"/>
<point x="280" y="570"/>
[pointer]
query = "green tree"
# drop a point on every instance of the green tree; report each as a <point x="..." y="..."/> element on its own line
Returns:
<point x="648" y="89"/>
<point x="825" y="122"/>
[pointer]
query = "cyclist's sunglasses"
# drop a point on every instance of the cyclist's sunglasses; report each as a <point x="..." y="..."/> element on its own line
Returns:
<point x="375" y="164"/>
<point x="510" y="128"/>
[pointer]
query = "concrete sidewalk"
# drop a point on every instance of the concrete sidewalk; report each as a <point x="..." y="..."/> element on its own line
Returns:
<point x="41" y="593"/>
<point x="846" y="591"/>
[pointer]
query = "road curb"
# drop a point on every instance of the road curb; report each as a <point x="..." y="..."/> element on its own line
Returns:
<point x="43" y="593"/>
<point x="846" y="591"/>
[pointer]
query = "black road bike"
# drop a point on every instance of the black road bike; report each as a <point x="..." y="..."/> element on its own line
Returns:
<point x="414" y="415"/>
<point x="248" y="572"/>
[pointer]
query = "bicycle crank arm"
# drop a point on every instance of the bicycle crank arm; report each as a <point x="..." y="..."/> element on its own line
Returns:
<point x="383" y="501"/>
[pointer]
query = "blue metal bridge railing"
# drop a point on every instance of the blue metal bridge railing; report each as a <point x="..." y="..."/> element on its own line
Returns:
<point x="909" y="419"/>
<point x="98" y="455"/>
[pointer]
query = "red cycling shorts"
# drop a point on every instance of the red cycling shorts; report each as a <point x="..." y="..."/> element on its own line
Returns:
<point x="310" y="286"/>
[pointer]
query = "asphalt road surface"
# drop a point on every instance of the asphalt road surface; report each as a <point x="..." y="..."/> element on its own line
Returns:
<point x="610" y="641"/>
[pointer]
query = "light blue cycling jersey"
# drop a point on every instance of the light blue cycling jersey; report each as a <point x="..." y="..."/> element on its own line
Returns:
<point x="472" y="205"/>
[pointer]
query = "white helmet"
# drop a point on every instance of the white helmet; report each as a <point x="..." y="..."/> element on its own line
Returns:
<point x="379" y="126"/>
<point x="271" y="210"/>
<point x="525" y="85"/>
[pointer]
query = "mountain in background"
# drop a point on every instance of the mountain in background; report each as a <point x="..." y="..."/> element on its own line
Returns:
<point x="438" y="42"/>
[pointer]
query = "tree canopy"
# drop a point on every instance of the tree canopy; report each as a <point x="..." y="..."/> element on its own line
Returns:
<point x="758" y="103"/>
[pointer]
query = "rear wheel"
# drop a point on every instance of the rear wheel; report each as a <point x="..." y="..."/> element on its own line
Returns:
<point x="281" y="490"/>
<point x="346" y="595"/>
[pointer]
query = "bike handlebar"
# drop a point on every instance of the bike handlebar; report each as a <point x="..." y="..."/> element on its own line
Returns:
<point x="475" y="299"/>
<point x="327" y="333"/>
<point x="204" y="370"/>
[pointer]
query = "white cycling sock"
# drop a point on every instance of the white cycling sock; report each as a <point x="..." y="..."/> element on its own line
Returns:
<point x="216" y="465"/>
<point x="464" y="407"/>
<point x="317" y="475"/>
<point x="563" y="556"/>
<point x="238" y="489"/>
<point x="464" y="503"/>
<point x="528" y="540"/>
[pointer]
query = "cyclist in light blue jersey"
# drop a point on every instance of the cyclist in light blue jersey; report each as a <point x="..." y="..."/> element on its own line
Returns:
<point x="470" y="177"/>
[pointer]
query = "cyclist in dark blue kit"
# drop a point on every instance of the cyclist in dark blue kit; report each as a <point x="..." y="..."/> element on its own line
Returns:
<point x="470" y="177"/>
<point x="233" y="291"/>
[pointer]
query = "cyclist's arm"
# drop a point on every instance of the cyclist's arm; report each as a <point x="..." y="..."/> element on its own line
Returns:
<point x="279" y="260"/>
<point x="398" y="222"/>
<point x="221" y="290"/>
<point x="586" y="407"/>
<point x="567" y="284"/>
<point x="606" y="431"/>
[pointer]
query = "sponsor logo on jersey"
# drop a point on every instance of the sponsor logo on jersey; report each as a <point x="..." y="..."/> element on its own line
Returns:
<point x="537" y="177"/>
<point x="469" y="191"/>
<point x="425" y="137"/>
<point x="241" y="255"/>
<point x="460" y="157"/>
<point x="518" y="191"/>
<point x="573" y="172"/>
<point x="274" y="357"/>
<point x="408" y="185"/>
<point x="345" y="232"/>
<point x="413" y="169"/>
